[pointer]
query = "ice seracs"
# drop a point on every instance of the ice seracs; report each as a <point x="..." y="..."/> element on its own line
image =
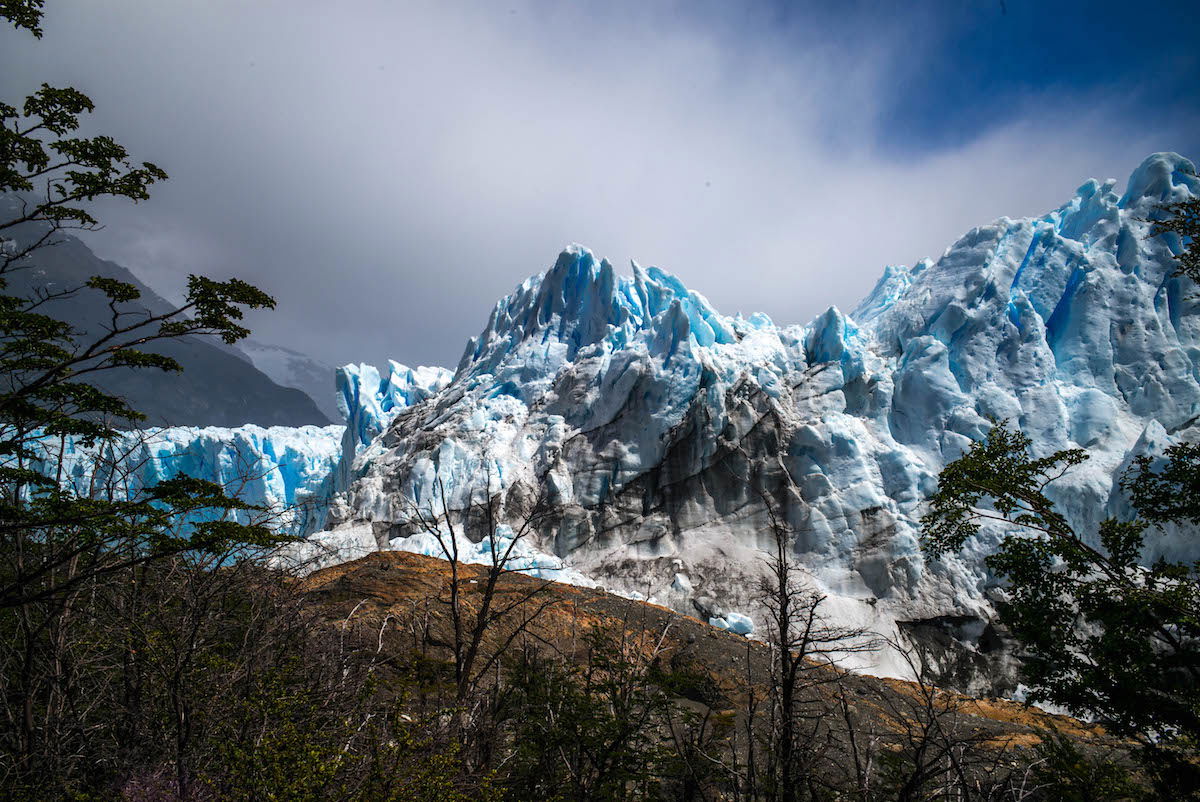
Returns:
<point x="368" y="400"/>
<point x="284" y="470"/>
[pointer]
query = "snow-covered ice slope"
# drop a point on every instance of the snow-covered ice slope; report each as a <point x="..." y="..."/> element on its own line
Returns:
<point x="659" y="431"/>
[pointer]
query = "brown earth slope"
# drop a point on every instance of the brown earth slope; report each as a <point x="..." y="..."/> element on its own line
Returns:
<point x="405" y="596"/>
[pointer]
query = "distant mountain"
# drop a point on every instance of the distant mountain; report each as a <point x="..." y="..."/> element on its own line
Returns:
<point x="217" y="386"/>
<point x="293" y="369"/>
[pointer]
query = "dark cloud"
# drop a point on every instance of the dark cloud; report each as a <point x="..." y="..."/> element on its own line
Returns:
<point x="389" y="169"/>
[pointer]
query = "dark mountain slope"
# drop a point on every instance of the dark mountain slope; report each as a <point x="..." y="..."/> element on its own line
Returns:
<point x="217" y="387"/>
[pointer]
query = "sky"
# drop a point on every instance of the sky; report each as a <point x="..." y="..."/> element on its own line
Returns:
<point x="388" y="169"/>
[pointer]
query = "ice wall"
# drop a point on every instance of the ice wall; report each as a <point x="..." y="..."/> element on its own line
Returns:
<point x="286" y="470"/>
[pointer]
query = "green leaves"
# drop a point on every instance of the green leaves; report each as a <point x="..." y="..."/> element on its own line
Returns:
<point x="218" y="307"/>
<point x="1183" y="220"/>
<point x="25" y="14"/>
<point x="1123" y="541"/>
<point x="1171" y="493"/>
<point x="47" y="360"/>
<point x="119" y="291"/>
<point x="999" y="471"/>
<point x="36" y="154"/>
<point x="97" y="536"/>
<point x="1103" y="634"/>
<point x="57" y="109"/>
<point x="129" y="358"/>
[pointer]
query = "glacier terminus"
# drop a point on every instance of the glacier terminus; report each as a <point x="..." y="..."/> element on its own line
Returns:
<point x="657" y="437"/>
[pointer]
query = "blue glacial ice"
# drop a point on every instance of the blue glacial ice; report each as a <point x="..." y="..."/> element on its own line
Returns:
<point x="287" y="471"/>
<point x="737" y="623"/>
<point x="369" y="400"/>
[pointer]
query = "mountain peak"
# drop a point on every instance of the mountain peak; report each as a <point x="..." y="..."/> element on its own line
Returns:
<point x="580" y="302"/>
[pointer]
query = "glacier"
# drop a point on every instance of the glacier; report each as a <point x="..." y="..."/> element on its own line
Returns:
<point x="650" y="440"/>
<point x="662" y="435"/>
<point x="287" y="471"/>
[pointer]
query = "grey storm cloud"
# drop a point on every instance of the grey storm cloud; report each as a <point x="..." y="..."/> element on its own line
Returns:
<point x="388" y="170"/>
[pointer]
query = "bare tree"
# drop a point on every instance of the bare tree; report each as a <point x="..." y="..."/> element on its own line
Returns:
<point x="472" y="627"/>
<point x="804" y="645"/>
<point x="933" y="751"/>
